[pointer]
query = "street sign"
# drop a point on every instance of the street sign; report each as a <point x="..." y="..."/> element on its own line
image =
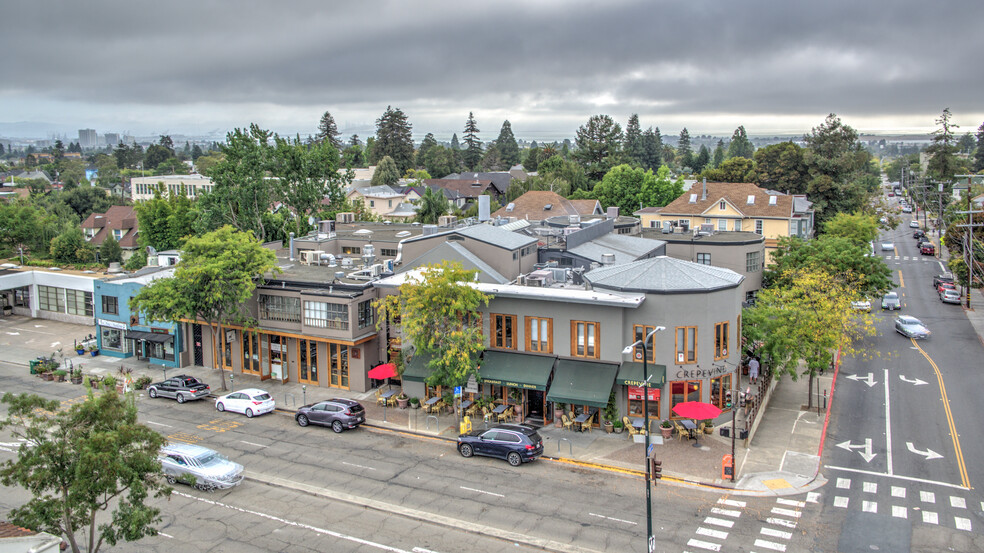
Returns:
<point x="652" y="448"/>
<point x="457" y="391"/>
<point x="472" y="386"/>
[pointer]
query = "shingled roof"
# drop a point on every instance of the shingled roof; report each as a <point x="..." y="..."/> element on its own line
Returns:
<point x="736" y="194"/>
<point x="533" y="206"/>
<point x="121" y="217"/>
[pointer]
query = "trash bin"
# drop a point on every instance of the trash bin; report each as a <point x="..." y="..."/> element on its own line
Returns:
<point x="34" y="366"/>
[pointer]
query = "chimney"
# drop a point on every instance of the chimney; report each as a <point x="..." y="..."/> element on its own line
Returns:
<point x="703" y="190"/>
<point x="612" y="212"/>
<point x="292" y="246"/>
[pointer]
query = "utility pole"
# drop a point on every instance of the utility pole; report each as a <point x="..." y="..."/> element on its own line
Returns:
<point x="968" y="247"/>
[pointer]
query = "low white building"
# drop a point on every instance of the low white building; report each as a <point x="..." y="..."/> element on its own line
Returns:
<point x="143" y="188"/>
<point x="49" y="294"/>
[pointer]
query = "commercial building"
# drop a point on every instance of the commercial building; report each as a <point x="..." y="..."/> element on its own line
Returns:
<point x="192" y="186"/>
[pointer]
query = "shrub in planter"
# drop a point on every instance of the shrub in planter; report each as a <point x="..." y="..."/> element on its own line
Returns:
<point x="142" y="382"/>
<point x="708" y="426"/>
<point x="415" y="403"/>
<point x="666" y="428"/>
<point x="60" y="375"/>
<point x="76" y="376"/>
<point x="618" y="426"/>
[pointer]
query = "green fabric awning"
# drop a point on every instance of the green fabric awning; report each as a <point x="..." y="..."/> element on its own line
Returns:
<point x="516" y="370"/>
<point x="630" y="374"/>
<point x="417" y="370"/>
<point x="582" y="383"/>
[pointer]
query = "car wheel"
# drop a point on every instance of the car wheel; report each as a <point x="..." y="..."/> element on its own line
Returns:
<point x="337" y="427"/>
<point x="302" y="420"/>
<point x="219" y="407"/>
<point x="170" y="479"/>
<point x="249" y="413"/>
<point x="514" y="459"/>
<point x="152" y="392"/>
<point x="466" y="450"/>
<point x="180" y="398"/>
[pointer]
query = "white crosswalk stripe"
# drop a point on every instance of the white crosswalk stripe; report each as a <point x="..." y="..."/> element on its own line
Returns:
<point x="930" y="517"/>
<point x="899" y="512"/>
<point x="869" y="506"/>
<point x="870" y="487"/>
<point x="844" y="483"/>
<point x="770" y="545"/>
<point x="927" y="497"/>
<point x="704" y="545"/>
<point x="777" y="533"/>
<point x="840" y="502"/>
<point x="719" y="522"/>
<point x="711" y="533"/>
<point x="786" y="512"/>
<point x="898" y="491"/>
<point x="962" y="523"/>
<point x="958" y="502"/>
<point x="781" y="522"/>
<point x="725" y="512"/>
<point x="731" y="502"/>
<point x="790" y="502"/>
<point x="812" y="497"/>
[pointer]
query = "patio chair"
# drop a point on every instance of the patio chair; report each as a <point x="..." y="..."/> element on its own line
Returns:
<point x="505" y="415"/>
<point x="631" y="429"/>
<point x="379" y="397"/>
<point x="682" y="432"/>
<point x="487" y="414"/>
<point x="567" y="422"/>
<point x="588" y="423"/>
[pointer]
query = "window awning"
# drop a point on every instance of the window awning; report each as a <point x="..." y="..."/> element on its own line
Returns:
<point x="582" y="383"/>
<point x="148" y="336"/>
<point x="516" y="370"/>
<point x="417" y="370"/>
<point x="630" y="374"/>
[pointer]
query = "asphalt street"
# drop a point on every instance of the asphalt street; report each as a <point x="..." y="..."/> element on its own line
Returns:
<point x="904" y="437"/>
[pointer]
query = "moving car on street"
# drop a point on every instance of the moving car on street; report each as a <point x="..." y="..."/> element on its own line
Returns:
<point x="861" y="305"/>
<point x="913" y="224"/>
<point x="516" y="443"/>
<point x="182" y="388"/>
<point x="918" y="234"/>
<point x="888" y="247"/>
<point x="337" y="413"/>
<point x="911" y="327"/>
<point x="906" y="209"/>
<point x="250" y="402"/>
<point x="950" y="296"/>
<point x="891" y="301"/>
<point x="210" y="470"/>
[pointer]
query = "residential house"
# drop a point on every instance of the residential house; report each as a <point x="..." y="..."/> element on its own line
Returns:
<point x="461" y="192"/>
<point x="500" y="180"/>
<point x="119" y="221"/>
<point x="540" y="205"/>
<point x="380" y="200"/>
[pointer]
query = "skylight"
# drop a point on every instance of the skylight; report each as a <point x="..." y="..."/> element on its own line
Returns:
<point x="751" y="199"/>
<point x="693" y="198"/>
<point x="773" y="200"/>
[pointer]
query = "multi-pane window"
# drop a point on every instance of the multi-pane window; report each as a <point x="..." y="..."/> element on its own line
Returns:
<point x="585" y="338"/>
<point x="758" y="226"/>
<point x="352" y="250"/>
<point x="387" y="252"/>
<point x="50" y="299"/>
<point x="737" y="225"/>
<point x="686" y="344"/>
<point x="704" y="258"/>
<point x="503" y="331"/>
<point x="110" y="305"/>
<point x="752" y="262"/>
<point x="280" y="308"/>
<point x="720" y="341"/>
<point x="326" y="315"/>
<point x="684" y="390"/>
<point x="539" y="334"/>
<point x="78" y="302"/>
<point x="366" y="314"/>
<point x="640" y="332"/>
<point x="722" y="224"/>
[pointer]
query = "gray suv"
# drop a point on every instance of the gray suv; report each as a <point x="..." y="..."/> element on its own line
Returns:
<point x="337" y="413"/>
<point x="209" y="469"/>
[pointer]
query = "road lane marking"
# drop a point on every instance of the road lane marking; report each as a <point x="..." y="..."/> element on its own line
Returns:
<point x="869" y="506"/>
<point x="962" y="523"/>
<point x="888" y="427"/>
<point x="158" y="424"/>
<point x="777" y="533"/>
<point x="844" y="483"/>
<point x="964" y="479"/>
<point x="257" y="445"/>
<point x="786" y="512"/>
<point x="165" y="535"/>
<point x="611" y="518"/>
<point x="840" y="501"/>
<point x="901" y="281"/>
<point x="716" y="534"/>
<point x="927" y="497"/>
<point x="770" y="545"/>
<point x="958" y="502"/>
<point x="704" y="545"/>
<point x="898" y="491"/>
<point x="719" y="522"/>
<point x="898" y="477"/>
<point x="930" y="517"/>
<point x="481" y="491"/>
<point x="790" y="502"/>
<point x="899" y="512"/>
<point x="870" y="487"/>
<point x="726" y="512"/>
<point x="357" y="466"/>
<point x="324" y="531"/>
<point x="731" y="503"/>
<point x="782" y="522"/>
<point x="812" y="497"/>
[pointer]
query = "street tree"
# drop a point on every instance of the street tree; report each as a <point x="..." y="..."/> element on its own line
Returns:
<point x="304" y="176"/>
<point x="241" y="193"/>
<point x="860" y="228"/>
<point x="213" y="283"/>
<point x="386" y="173"/>
<point x="943" y="151"/>
<point x="394" y="139"/>
<point x="328" y="131"/>
<point x="507" y="146"/>
<point x="472" y="154"/>
<point x="599" y="144"/>
<point x="110" y="251"/>
<point x="740" y="146"/>
<point x="438" y="313"/>
<point x="433" y="204"/>
<point x="842" y="257"/>
<point x="90" y="468"/>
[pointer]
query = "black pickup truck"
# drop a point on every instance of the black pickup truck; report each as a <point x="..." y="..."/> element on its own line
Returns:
<point x="182" y="388"/>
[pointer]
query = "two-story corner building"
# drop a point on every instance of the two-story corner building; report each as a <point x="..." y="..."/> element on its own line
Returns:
<point x="315" y="324"/>
<point x="729" y="206"/>
<point x="48" y="294"/>
<point x="506" y="253"/>
<point x="120" y="222"/>
<point x="124" y="333"/>
<point x="562" y="343"/>
<point x="192" y="186"/>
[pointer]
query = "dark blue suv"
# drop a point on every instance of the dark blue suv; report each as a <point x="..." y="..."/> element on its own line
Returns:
<point x="516" y="443"/>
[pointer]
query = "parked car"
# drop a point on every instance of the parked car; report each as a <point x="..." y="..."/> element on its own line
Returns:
<point x="891" y="301"/>
<point x="927" y="248"/>
<point x="913" y="224"/>
<point x="945" y="285"/>
<point x="250" y="402"/>
<point x="950" y="295"/>
<point x="210" y="469"/>
<point x="907" y="209"/>
<point x="337" y="413"/>
<point x="911" y="327"/>
<point x="516" y="443"/>
<point x="944" y="277"/>
<point x="918" y="234"/>
<point x="862" y="305"/>
<point x="888" y="247"/>
<point x="182" y="388"/>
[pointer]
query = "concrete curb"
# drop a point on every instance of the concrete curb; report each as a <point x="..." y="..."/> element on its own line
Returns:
<point x="431" y="518"/>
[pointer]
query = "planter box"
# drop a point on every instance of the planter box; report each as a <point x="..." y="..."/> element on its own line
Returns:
<point x="80" y="351"/>
<point x="94" y="352"/>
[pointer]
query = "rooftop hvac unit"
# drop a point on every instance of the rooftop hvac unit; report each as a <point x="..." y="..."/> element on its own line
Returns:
<point x="430" y="229"/>
<point x="607" y="259"/>
<point x="447" y="220"/>
<point x="535" y="282"/>
<point x="521" y="280"/>
<point x="574" y="219"/>
<point x="559" y="275"/>
<point x="329" y="259"/>
<point x="685" y="225"/>
<point x="544" y="276"/>
<point x="388" y="265"/>
<point x="346" y="217"/>
<point x="667" y="227"/>
<point x="376" y="270"/>
<point x="311" y="257"/>
<point x="339" y="275"/>
<point x="347" y="262"/>
<point x="484" y="208"/>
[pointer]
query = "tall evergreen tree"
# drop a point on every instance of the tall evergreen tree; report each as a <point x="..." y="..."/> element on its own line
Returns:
<point x="386" y="172"/>
<point x="327" y="130"/>
<point x="942" y="152"/>
<point x="633" y="148"/>
<point x="507" y="146"/>
<point x="685" y="151"/>
<point x="703" y="159"/>
<point x="979" y="154"/>
<point x="454" y="142"/>
<point x="425" y="145"/>
<point x="718" y="153"/>
<point x="652" y="149"/>
<point x="532" y="161"/>
<point x="473" y="146"/>
<point x="599" y="144"/>
<point x="740" y="146"/>
<point x="393" y="139"/>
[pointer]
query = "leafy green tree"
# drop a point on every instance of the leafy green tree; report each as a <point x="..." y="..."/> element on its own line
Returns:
<point x="20" y="225"/>
<point x="196" y="152"/>
<point x="507" y="146"/>
<point x="353" y="155"/>
<point x="439" y="161"/>
<point x="70" y="247"/>
<point x="685" y="153"/>
<point x="393" y="139"/>
<point x="860" y="228"/>
<point x="206" y="163"/>
<point x="652" y="149"/>
<point x="840" y="256"/>
<point x="781" y="167"/>
<point x="136" y="261"/>
<point x="659" y="190"/>
<point x="109" y="173"/>
<point x="155" y="156"/>
<point x="110" y="251"/>
<point x="633" y="148"/>
<point x="165" y="221"/>
<point x="328" y="130"/>
<point x="532" y="161"/>
<point x="740" y="146"/>
<point x="386" y="172"/>
<point x="72" y="173"/>
<point x="836" y="160"/>
<point x="703" y="159"/>
<point x="942" y="152"/>
<point x="631" y="188"/>
<point x="978" y="165"/>
<point x="85" y="200"/>
<point x="439" y="314"/>
<point x="80" y="462"/>
<point x="492" y="159"/>
<point x="719" y="154"/>
<point x="560" y="169"/>
<point x="473" y="146"/>
<point x="599" y="145"/>
<point x="304" y="175"/>
<point x="433" y="204"/>
<point x="241" y="194"/>
<point x="213" y="283"/>
<point x="736" y="169"/>
<point x="965" y="145"/>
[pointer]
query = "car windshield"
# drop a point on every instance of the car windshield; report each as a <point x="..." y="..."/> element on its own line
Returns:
<point x="891" y="296"/>
<point x="909" y="321"/>
<point x="210" y="458"/>
<point x="262" y="397"/>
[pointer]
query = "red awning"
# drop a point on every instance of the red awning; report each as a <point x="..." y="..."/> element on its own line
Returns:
<point x="381" y="372"/>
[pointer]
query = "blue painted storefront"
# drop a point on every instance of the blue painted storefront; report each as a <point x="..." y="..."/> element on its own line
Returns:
<point x="124" y="334"/>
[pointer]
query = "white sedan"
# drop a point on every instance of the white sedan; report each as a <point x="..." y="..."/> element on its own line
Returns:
<point x="250" y="402"/>
<point x="888" y="247"/>
<point x="913" y="224"/>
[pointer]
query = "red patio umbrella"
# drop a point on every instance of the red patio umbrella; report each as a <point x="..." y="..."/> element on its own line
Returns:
<point x="386" y="370"/>
<point x="696" y="410"/>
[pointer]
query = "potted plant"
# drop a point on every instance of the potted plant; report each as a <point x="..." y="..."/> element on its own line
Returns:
<point x="402" y="400"/>
<point x="415" y="403"/>
<point x="60" y="375"/>
<point x="558" y="411"/>
<point x="142" y="382"/>
<point x="76" y="376"/>
<point x="611" y="413"/>
<point x="79" y="348"/>
<point x="708" y="426"/>
<point x="516" y="395"/>
<point x="93" y="350"/>
<point x="45" y="373"/>
<point x="666" y="429"/>
<point x="619" y="427"/>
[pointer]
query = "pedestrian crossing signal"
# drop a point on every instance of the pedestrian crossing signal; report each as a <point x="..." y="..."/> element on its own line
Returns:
<point x="657" y="468"/>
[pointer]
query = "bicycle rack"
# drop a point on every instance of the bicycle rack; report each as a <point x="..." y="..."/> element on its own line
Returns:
<point x="293" y="400"/>
<point x="437" y="422"/>
<point x="570" y="446"/>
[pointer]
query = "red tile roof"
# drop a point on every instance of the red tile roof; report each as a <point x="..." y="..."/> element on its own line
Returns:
<point x="8" y="530"/>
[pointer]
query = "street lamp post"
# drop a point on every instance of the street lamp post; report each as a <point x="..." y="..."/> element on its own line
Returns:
<point x="650" y="539"/>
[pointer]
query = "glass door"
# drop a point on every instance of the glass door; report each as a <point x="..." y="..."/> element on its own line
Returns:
<point x="277" y="355"/>
<point x="307" y="366"/>
<point x="338" y="366"/>
<point x="251" y="352"/>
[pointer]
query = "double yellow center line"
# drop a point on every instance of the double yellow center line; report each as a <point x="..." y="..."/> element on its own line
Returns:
<point x="961" y="466"/>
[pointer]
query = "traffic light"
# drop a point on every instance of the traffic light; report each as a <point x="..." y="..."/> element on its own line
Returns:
<point x="657" y="468"/>
<point x="727" y="399"/>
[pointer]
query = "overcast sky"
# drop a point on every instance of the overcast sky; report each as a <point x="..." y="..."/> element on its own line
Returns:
<point x="195" y="67"/>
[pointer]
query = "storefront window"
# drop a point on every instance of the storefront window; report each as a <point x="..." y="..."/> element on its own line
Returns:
<point x="163" y="351"/>
<point x="719" y="391"/>
<point x="637" y="401"/>
<point x="683" y="390"/>
<point x="112" y="339"/>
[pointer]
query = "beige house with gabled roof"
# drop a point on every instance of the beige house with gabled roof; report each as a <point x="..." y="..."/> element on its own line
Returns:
<point x="538" y="205"/>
